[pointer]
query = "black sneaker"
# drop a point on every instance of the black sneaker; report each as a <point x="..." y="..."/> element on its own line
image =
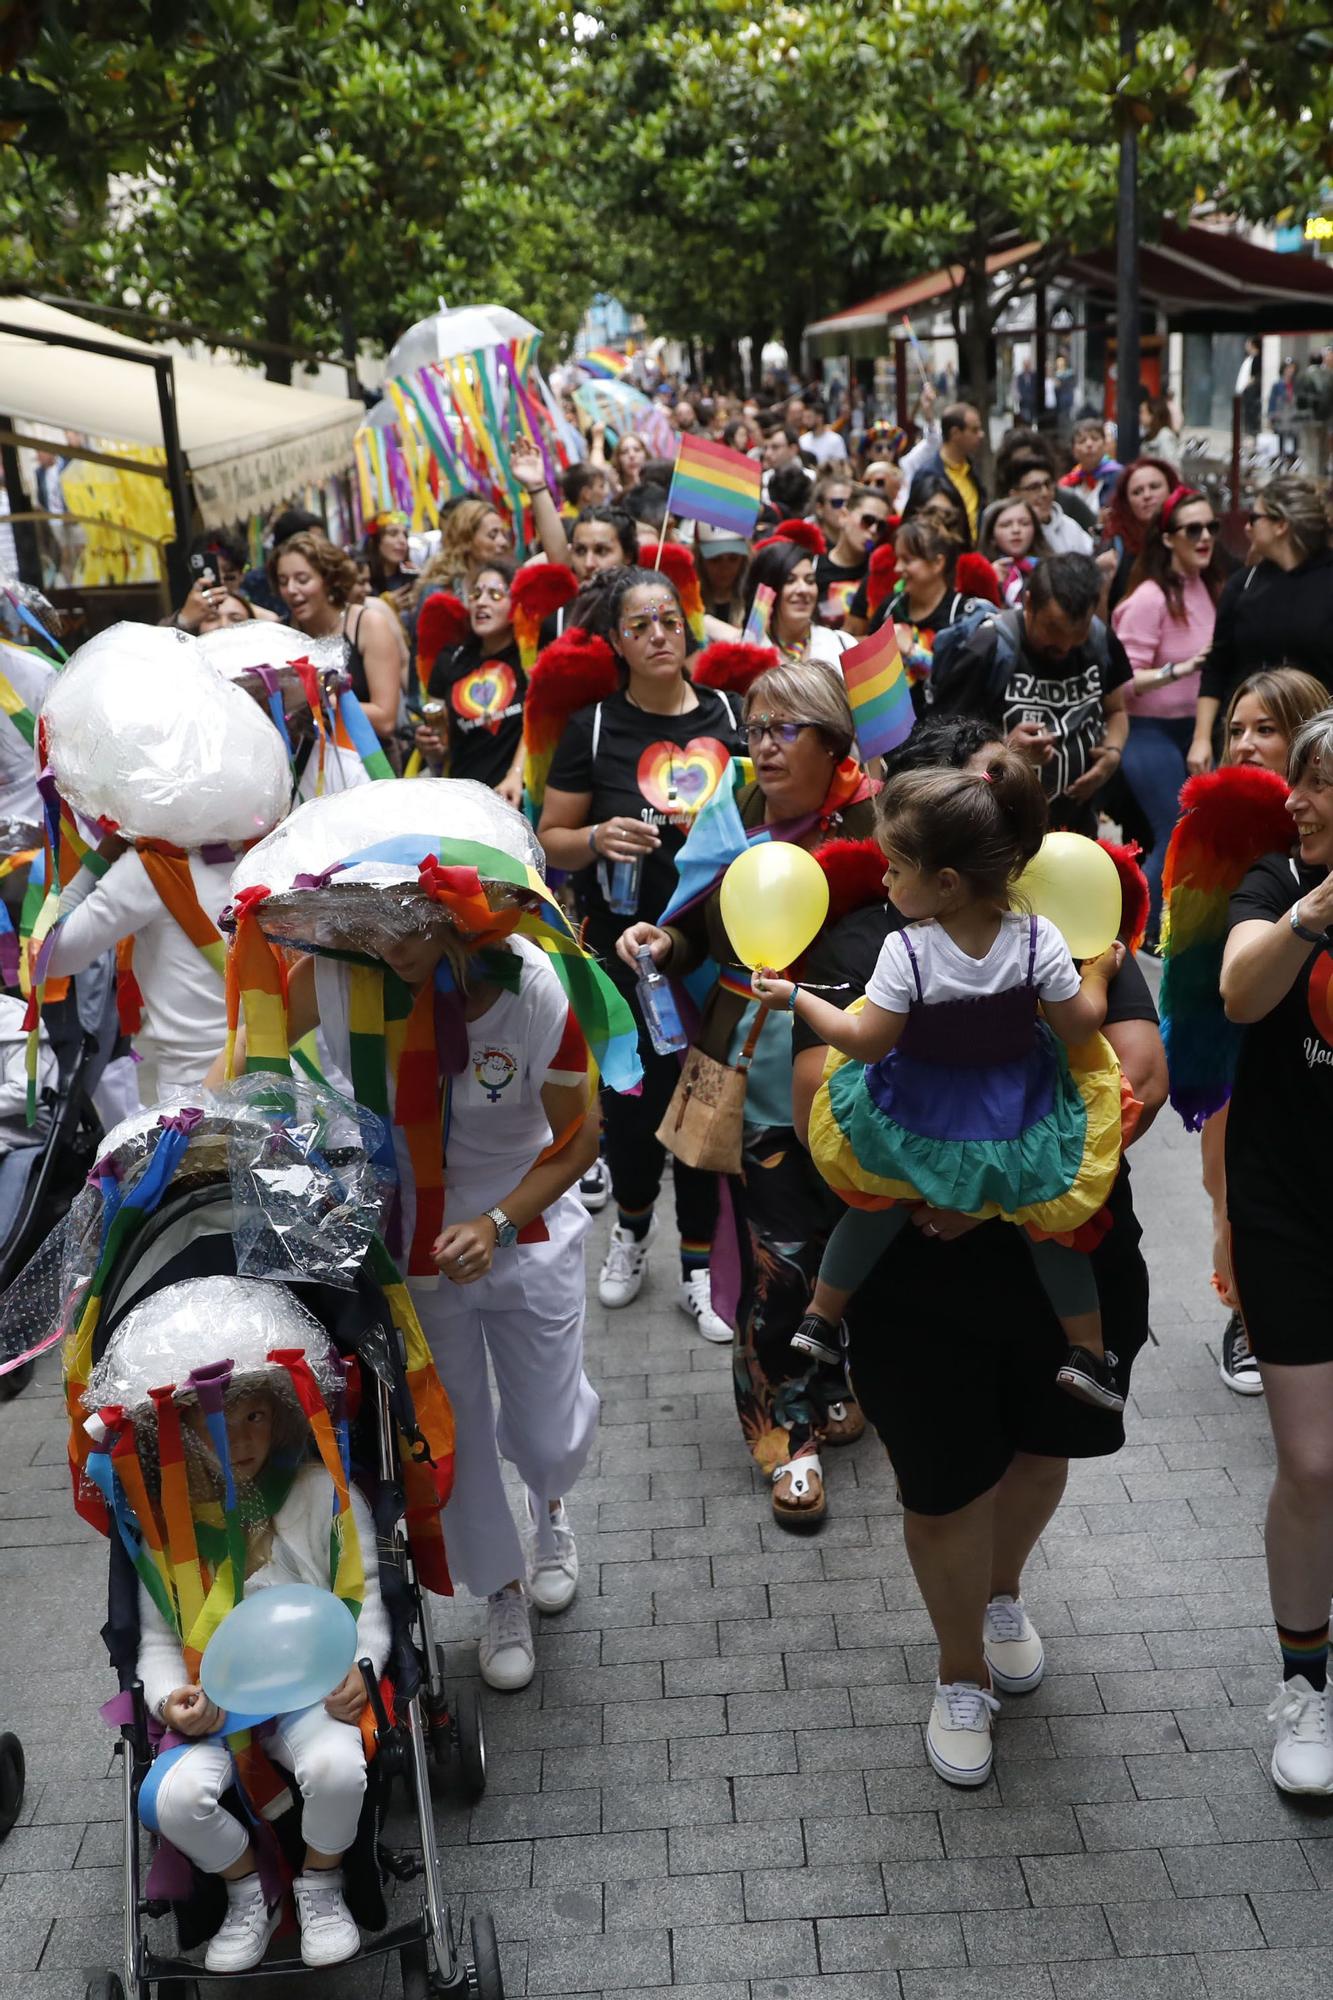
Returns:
<point x="819" y="1340"/>
<point x="1089" y="1378"/>
<point x="1239" y="1369"/>
<point x="595" y="1187"/>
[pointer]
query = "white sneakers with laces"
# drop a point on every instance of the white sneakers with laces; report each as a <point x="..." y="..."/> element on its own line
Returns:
<point x="505" y="1654"/>
<point x="554" y="1578"/>
<point x="328" y="1928"/>
<point x="595" y="1187"/>
<point x="244" y="1935"/>
<point x="1012" y="1646"/>
<point x="626" y="1263"/>
<point x="695" y="1297"/>
<point x="958" y="1735"/>
<point x="1303" y="1753"/>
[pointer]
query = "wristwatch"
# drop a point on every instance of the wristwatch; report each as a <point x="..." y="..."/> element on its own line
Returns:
<point x="506" y="1232"/>
<point x="1311" y="937"/>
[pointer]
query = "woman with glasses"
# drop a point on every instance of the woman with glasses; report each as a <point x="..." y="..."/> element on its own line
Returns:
<point x="474" y="717"/>
<point x="808" y="789"/>
<point x="861" y="523"/>
<point x="629" y="774"/>
<point x="1277" y="610"/>
<point x="1165" y="623"/>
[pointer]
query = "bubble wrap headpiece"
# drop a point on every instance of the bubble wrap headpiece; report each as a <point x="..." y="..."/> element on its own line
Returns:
<point x="146" y="736"/>
<point x="201" y="1322"/>
<point x="260" y="657"/>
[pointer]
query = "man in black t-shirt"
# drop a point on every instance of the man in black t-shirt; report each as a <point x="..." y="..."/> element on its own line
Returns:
<point x="1051" y="681"/>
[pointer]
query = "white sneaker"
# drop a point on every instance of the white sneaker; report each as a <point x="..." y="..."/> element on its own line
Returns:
<point x="246" y="1929"/>
<point x="553" y="1579"/>
<point x="504" y="1652"/>
<point x="328" y="1928"/>
<point x="958" y="1735"/>
<point x="1013" y="1648"/>
<point x="626" y="1262"/>
<point x="595" y="1187"/>
<point x="1303" y="1753"/>
<point x="695" y="1298"/>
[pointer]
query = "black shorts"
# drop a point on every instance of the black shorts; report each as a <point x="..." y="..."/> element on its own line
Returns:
<point x="953" y="1354"/>
<point x="1282" y="1283"/>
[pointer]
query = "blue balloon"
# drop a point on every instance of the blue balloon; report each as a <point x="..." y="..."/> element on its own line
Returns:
<point x="279" y="1650"/>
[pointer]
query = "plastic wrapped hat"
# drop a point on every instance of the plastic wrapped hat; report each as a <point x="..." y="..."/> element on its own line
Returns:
<point x="199" y="1324"/>
<point x="144" y="736"/>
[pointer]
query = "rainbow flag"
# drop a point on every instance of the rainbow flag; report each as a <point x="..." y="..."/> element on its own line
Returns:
<point x="878" y="691"/>
<point x="761" y="611"/>
<point x="605" y="364"/>
<point x="711" y="483"/>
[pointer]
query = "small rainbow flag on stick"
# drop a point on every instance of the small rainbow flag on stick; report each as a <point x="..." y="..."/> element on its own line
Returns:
<point x="711" y="483"/>
<point x="756" y="625"/>
<point x="878" y="691"/>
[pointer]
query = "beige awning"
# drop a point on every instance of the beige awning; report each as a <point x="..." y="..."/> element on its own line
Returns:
<point x="248" y="443"/>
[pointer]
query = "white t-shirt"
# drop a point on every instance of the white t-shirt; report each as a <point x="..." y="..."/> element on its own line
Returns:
<point x="1065" y="536"/>
<point x="825" y="449"/>
<point x="498" y="1124"/>
<point x="342" y="770"/>
<point x="184" y="1008"/>
<point x="949" y="973"/>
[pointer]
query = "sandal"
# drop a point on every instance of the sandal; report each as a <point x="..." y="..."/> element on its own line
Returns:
<point x="806" y="1503"/>
<point x="844" y="1424"/>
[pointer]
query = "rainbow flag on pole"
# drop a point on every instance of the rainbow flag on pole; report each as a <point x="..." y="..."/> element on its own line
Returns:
<point x="878" y="691"/>
<point x="604" y="364"/>
<point x="711" y="483"/>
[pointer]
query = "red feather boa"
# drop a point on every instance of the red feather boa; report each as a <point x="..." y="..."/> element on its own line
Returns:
<point x="730" y="666"/>
<point x="1133" y="891"/>
<point x="855" y="871"/>
<point x="442" y="623"/>
<point x="804" y="533"/>
<point x="571" y="672"/>
<point x="676" y="564"/>
<point x="541" y="588"/>
<point x="882" y="576"/>
<point x="975" y="577"/>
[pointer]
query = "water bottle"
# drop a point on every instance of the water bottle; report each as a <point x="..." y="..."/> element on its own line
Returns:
<point x="619" y="882"/>
<point x="658" y="1007"/>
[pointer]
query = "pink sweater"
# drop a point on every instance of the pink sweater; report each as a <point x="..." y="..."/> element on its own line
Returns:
<point x="1153" y="638"/>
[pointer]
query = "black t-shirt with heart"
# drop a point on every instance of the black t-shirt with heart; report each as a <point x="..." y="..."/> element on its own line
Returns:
<point x="485" y="709"/>
<point x="1278" y="1174"/>
<point x="656" y="768"/>
<point x="837" y="585"/>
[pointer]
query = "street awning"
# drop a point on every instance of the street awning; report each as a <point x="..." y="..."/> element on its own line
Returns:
<point x="248" y="443"/>
<point x="888" y="307"/>
<point x="1205" y="280"/>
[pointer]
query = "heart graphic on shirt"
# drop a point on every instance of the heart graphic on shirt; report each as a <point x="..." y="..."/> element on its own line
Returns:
<point x="680" y="781"/>
<point x="1319" y="994"/>
<point x="484" y="696"/>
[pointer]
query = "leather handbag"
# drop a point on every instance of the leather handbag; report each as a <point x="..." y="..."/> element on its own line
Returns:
<point x="705" y="1120"/>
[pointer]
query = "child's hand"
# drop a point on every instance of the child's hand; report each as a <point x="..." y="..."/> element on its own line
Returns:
<point x="348" y="1698"/>
<point x="189" y="1712"/>
<point x="770" y="990"/>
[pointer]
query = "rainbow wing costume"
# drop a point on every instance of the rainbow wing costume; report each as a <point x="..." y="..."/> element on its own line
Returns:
<point x="1231" y="818"/>
<point x="572" y="672"/>
<point x="540" y="589"/>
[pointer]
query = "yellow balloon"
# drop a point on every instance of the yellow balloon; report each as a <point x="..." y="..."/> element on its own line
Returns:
<point x="1073" y="882"/>
<point x="774" y="899"/>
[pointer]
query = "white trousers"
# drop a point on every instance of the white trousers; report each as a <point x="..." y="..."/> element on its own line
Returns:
<point x="328" y="1760"/>
<point x="527" y="1314"/>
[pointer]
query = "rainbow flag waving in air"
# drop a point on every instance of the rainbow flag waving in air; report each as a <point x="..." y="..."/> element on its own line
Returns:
<point x="878" y="691"/>
<point x="714" y="484"/>
<point x="604" y="364"/>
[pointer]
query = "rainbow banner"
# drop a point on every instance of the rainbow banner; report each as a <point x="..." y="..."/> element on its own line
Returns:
<point x="761" y="611"/>
<point x="712" y="484"/>
<point x="605" y="364"/>
<point x="878" y="691"/>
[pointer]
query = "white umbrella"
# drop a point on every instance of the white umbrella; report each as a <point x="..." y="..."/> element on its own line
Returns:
<point x="453" y="331"/>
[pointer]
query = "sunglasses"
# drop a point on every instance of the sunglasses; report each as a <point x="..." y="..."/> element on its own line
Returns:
<point x="1253" y="514"/>
<point x="1194" y="531"/>
<point x="640" y="626"/>
<point x="836" y="503"/>
<point x="782" y="732"/>
<point x="872" y="523"/>
<point x="488" y="593"/>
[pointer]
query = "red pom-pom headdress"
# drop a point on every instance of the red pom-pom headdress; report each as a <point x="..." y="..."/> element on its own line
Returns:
<point x="573" y="671"/>
<point x="855" y="871"/>
<point x="731" y="667"/>
<point x="1133" y="892"/>
<point x="804" y="533"/>
<point x="676" y="563"/>
<point x="882" y="576"/>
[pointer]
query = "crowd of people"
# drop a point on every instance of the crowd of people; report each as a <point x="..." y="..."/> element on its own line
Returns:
<point x="1079" y="644"/>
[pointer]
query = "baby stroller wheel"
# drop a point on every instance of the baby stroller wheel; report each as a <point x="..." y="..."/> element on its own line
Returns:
<point x="470" y="1737"/>
<point x="485" y="1978"/>
<point x="12" y="1779"/>
<point x="106" y="1986"/>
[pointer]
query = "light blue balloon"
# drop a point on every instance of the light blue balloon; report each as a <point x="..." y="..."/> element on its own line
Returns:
<point x="279" y="1650"/>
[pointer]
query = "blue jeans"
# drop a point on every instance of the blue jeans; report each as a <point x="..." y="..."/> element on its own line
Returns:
<point x="1154" y="768"/>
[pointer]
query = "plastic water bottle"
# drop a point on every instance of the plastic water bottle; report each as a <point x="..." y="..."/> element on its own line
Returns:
<point x="619" y="881"/>
<point x="658" y="1007"/>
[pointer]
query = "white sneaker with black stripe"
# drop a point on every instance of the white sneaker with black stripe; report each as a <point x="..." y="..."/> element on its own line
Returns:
<point x="1238" y="1368"/>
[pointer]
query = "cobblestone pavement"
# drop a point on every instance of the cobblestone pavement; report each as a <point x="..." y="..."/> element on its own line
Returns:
<point x="717" y="1779"/>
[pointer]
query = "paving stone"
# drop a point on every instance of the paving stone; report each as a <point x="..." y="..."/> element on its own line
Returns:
<point x="1011" y="1830"/>
<point x="895" y="1837"/>
<point x="692" y="1802"/>
<point x="1174" y="1978"/>
<point x="858" y="1749"/>
<point x="1021" y="1982"/>
<point x="1199" y="1774"/>
<point x="1066" y="1781"/>
<point x="920" y="1886"/>
<point x="824" y="1708"/>
<point x="732" y="1674"/>
<point x="1035" y="1937"/>
<point x="586" y="1964"/>
<point x="843" y="1890"/>
<point x="712" y="1850"/>
<point x="731" y="1756"/>
<point x="1096" y="1878"/>
<point x="868" y="1944"/>
<point x="1239" y="1868"/>
<point x="537" y="1813"/>
<point x="743" y="1951"/>
<point x="609" y="1857"/>
<point x="829" y="1986"/>
<point x="1269" y="1975"/>
<point x="1215" y="1923"/>
<point x="917" y="1789"/>
<point x="657" y="1642"/>
<point x="552" y="1912"/>
<point x="1294" y="1919"/>
<point x="673" y="1900"/>
<point x="603" y="1764"/>
<point x="1178" y="1688"/>
<point x="578" y="1687"/>
<point x="1114" y="1735"/>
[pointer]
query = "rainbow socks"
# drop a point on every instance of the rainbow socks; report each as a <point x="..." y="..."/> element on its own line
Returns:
<point x="1306" y="1654"/>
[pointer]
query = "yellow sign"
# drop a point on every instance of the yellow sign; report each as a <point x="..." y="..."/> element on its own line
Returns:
<point x="1319" y="228"/>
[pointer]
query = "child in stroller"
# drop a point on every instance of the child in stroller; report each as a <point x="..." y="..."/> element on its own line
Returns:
<point x="247" y="1466"/>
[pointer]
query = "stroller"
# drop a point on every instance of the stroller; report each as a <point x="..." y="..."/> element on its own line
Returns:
<point x="190" y="1235"/>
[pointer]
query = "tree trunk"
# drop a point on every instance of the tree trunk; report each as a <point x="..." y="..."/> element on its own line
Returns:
<point x="758" y="340"/>
<point x="278" y="328"/>
<point x="974" y="349"/>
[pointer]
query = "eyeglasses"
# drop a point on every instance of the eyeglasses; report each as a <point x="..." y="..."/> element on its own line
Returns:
<point x="785" y="733"/>
<point x="835" y="501"/>
<point x="1194" y="531"/>
<point x="1253" y="514"/>
<point x="643" y="622"/>
<point x="488" y="593"/>
<point x="1038" y="483"/>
